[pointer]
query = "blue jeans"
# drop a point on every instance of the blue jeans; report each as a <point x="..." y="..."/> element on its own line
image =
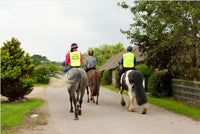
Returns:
<point x="67" y="68"/>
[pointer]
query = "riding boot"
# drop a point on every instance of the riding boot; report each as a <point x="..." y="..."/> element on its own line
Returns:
<point x="118" y="81"/>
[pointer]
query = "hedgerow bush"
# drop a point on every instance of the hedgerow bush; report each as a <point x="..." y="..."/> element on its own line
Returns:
<point x="146" y="71"/>
<point x="44" y="72"/>
<point x="159" y="84"/>
<point x="106" y="78"/>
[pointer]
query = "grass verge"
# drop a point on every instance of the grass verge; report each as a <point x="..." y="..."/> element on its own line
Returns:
<point x="12" y="114"/>
<point x="40" y="85"/>
<point x="170" y="104"/>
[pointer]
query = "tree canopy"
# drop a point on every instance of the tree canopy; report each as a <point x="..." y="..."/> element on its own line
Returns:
<point x="168" y="34"/>
<point x="37" y="59"/>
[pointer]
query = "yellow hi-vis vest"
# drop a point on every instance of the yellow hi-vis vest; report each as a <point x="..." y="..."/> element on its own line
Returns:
<point x="75" y="58"/>
<point x="128" y="60"/>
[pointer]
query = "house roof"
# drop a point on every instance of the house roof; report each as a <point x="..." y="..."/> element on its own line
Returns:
<point x="113" y="62"/>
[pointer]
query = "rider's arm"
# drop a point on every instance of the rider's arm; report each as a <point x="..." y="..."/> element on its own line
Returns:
<point x="95" y="62"/>
<point x="135" y="61"/>
<point x="67" y="60"/>
<point x="81" y="58"/>
<point x="121" y="62"/>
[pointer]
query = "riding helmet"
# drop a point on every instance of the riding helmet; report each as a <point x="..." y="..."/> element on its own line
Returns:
<point x="90" y="52"/>
<point x="129" y="48"/>
<point x="74" y="45"/>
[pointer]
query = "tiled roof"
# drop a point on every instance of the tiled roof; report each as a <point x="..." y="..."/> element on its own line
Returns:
<point x="113" y="62"/>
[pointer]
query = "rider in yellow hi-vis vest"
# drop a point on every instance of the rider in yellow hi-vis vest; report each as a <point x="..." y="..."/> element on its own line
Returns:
<point x="128" y="62"/>
<point x="74" y="58"/>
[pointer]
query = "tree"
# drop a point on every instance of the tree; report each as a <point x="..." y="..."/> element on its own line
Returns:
<point x="37" y="59"/>
<point x="16" y="71"/>
<point x="167" y="32"/>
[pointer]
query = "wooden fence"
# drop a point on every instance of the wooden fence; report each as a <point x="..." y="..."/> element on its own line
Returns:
<point x="186" y="91"/>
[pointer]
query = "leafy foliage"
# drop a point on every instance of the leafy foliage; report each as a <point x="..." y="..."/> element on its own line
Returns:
<point x="106" y="78"/>
<point x="104" y="52"/>
<point x="16" y="71"/>
<point x="37" y="59"/>
<point x="168" y="33"/>
<point x="44" y="72"/>
<point x="159" y="84"/>
<point x="146" y="71"/>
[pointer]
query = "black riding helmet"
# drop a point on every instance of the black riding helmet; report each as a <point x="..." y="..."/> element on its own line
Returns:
<point x="90" y="52"/>
<point x="73" y="46"/>
<point x="129" y="48"/>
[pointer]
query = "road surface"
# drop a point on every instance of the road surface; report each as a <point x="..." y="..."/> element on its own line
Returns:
<point x="109" y="117"/>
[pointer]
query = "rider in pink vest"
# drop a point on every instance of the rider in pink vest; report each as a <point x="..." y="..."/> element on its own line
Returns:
<point x="73" y="58"/>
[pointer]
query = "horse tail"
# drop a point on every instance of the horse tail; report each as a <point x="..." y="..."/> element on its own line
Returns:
<point x="96" y="83"/>
<point x="58" y="83"/>
<point x="138" y="81"/>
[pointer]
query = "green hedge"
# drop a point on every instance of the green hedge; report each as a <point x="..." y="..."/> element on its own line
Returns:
<point x="44" y="72"/>
<point x="106" y="78"/>
<point x="159" y="84"/>
<point x="146" y="71"/>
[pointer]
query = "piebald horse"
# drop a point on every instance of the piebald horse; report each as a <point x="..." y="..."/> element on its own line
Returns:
<point x="94" y="79"/>
<point x="75" y="80"/>
<point x="133" y="80"/>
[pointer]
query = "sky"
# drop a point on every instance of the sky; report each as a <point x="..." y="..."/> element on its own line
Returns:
<point x="49" y="27"/>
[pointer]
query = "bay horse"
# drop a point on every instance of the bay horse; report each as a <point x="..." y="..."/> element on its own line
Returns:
<point x="75" y="80"/>
<point x="94" y="79"/>
<point x="133" y="80"/>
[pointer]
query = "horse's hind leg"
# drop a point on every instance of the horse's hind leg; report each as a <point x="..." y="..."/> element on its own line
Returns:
<point x="80" y="101"/>
<point x="144" y="108"/>
<point x="70" y="98"/>
<point x="131" y="101"/>
<point x="88" y="100"/>
<point x="72" y="94"/>
<point x="97" y="99"/>
<point x="123" y="103"/>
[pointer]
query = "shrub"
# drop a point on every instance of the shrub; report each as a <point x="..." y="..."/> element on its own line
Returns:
<point x="16" y="71"/>
<point x="106" y="79"/>
<point x="146" y="71"/>
<point x="44" y="72"/>
<point x="159" y="84"/>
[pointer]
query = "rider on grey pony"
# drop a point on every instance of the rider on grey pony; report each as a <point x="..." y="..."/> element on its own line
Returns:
<point x="128" y="62"/>
<point x="74" y="58"/>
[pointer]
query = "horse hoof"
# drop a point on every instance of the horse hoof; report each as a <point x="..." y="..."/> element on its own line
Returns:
<point x="71" y="111"/>
<point x="131" y="109"/>
<point x="76" y="118"/>
<point x="79" y="110"/>
<point x="144" y="111"/>
<point x="123" y="104"/>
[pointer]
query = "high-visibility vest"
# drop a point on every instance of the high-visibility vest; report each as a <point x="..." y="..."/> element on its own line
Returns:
<point x="128" y="60"/>
<point x="75" y="58"/>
